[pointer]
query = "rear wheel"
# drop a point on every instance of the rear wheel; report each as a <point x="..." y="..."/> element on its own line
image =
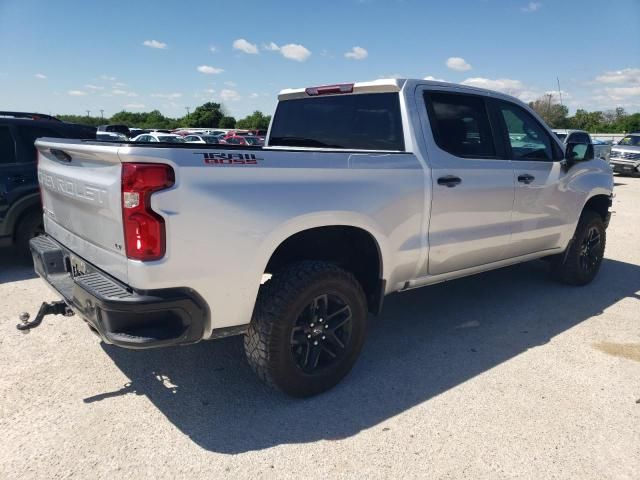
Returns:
<point x="582" y="262"/>
<point x="30" y="226"/>
<point x="308" y="328"/>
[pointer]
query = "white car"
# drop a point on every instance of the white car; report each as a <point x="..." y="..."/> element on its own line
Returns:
<point x="158" y="137"/>
<point x="211" y="139"/>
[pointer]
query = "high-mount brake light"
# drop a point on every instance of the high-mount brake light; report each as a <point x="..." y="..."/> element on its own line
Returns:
<point x="329" y="89"/>
<point x="144" y="230"/>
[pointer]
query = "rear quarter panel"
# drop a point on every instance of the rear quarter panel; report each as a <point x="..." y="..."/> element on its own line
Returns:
<point x="225" y="221"/>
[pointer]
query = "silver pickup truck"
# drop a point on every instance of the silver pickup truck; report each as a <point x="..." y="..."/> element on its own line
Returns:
<point x="362" y="190"/>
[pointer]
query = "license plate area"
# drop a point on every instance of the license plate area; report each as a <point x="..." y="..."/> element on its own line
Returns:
<point x="77" y="266"/>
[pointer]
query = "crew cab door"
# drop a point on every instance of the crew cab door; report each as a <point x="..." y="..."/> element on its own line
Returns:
<point x="542" y="207"/>
<point x="472" y="182"/>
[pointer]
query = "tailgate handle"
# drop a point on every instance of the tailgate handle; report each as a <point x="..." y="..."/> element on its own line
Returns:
<point x="61" y="155"/>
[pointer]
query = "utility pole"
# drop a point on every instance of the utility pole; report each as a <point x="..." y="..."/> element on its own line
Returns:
<point x="88" y="113"/>
<point x="559" y="91"/>
<point x="101" y="114"/>
<point x="187" y="109"/>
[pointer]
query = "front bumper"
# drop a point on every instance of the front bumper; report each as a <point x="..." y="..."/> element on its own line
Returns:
<point x="621" y="166"/>
<point x="120" y="314"/>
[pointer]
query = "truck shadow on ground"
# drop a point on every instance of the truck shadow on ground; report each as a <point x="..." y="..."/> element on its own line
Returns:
<point x="15" y="265"/>
<point x="426" y="342"/>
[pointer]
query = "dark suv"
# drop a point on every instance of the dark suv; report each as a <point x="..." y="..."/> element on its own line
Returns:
<point x="20" y="208"/>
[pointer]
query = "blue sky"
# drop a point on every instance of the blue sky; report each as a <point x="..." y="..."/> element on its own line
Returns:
<point x="72" y="56"/>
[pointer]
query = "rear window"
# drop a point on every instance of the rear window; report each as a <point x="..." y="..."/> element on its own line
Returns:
<point x="368" y="121"/>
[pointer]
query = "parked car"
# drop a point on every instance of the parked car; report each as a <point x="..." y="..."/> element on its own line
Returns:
<point x="111" y="137"/>
<point x="625" y="156"/>
<point x="158" y="137"/>
<point x="210" y="139"/>
<point x="254" y="141"/>
<point x="600" y="149"/>
<point x="20" y="207"/>
<point x="362" y="190"/>
<point x="122" y="129"/>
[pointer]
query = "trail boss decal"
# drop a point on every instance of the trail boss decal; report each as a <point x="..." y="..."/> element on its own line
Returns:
<point x="223" y="158"/>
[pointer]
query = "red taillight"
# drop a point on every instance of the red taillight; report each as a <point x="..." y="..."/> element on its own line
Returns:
<point x="144" y="231"/>
<point x="329" y="89"/>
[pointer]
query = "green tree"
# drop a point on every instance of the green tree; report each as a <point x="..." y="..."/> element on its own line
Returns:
<point x="589" y="121"/>
<point x="554" y="114"/>
<point x="631" y="123"/>
<point x="207" y="115"/>
<point x="256" y="121"/>
<point x="227" y="122"/>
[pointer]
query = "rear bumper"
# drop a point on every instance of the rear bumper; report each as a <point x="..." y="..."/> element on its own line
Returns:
<point x="120" y="314"/>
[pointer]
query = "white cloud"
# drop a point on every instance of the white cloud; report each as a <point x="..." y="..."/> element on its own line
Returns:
<point x="40" y="76"/>
<point x="272" y="47"/>
<point x="531" y="7"/>
<point x="210" y="90"/>
<point x="118" y="91"/>
<point x="119" y="84"/>
<point x="623" y="93"/>
<point x="294" y="51"/>
<point x="213" y="49"/>
<point x="626" y="75"/>
<point x="509" y="86"/>
<point x="357" y="53"/>
<point x="229" y="83"/>
<point x="167" y="95"/>
<point x="154" y="44"/>
<point x="94" y="87"/>
<point x="134" y="106"/>
<point x="108" y="78"/>
<point x="254" y="95"/>
<point x="230" y="95"/>
<point x="76" y="93"/>
<point x="434" y="79"/>
<point x="458" y="63"/>
<point x="209" y="70"/>
<point x="245" y="46"/>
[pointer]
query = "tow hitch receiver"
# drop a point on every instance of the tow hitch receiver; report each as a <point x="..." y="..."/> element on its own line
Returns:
<point x="53" y="308"/>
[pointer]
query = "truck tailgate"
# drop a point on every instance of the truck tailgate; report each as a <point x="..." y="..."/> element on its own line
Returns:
<point x="81" y="199"/>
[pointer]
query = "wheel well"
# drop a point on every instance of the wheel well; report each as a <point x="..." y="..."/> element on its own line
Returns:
<point x="352" y="248"/>
<point x="33" y="209"/>
<point x="599" y="204"/>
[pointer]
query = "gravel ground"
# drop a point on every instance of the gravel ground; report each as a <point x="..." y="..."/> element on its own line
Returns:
<point x="502" y="375"/>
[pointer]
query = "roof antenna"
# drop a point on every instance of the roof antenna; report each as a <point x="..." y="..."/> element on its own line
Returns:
<point x="559" y="91"/>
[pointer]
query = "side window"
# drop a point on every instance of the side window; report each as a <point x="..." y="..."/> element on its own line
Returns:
<point x="579" y="137"/>
<point x="528" y="139"/>
<point x="28" y="135"/>
<point x="460" y="124"/>
<point x="7" y="146"/>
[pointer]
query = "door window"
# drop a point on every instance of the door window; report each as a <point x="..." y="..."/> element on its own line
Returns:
<point x="579" y="137"/>
<point x="7" y="146"/>
<point x="460" y="124"/>
<point x="528" y="138"/>
<point x="28" y="136"/>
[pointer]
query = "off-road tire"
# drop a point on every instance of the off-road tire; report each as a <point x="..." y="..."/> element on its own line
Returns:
<point x="567" y="268"/>
<point x="280" y="303"/>
<point x="29" y="226"/>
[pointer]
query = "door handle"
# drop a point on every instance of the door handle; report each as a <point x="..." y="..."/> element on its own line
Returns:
<point x="449" y="181"/>
<point x="526" y="178"/>
<point x="17" y="179"/>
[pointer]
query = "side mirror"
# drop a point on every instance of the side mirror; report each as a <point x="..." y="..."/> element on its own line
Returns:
<point x="579" y="152"/>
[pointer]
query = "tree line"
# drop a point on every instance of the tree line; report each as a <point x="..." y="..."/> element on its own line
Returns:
<point x="208" y="115"/>
<point x="212" y="115"/>
<point x="607" y="121"/>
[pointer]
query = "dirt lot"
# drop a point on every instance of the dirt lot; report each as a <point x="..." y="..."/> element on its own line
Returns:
<point x="502" y="375"/>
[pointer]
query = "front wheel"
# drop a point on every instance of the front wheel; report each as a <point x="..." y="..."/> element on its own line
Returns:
<point x="582" y="262"/>
<point x="307" y="329"/>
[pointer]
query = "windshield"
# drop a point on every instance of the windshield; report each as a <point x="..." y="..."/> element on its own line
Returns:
<point x="168" y="139"/>
<point x="631" y="140"/>
<point x="367" y="121"/>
